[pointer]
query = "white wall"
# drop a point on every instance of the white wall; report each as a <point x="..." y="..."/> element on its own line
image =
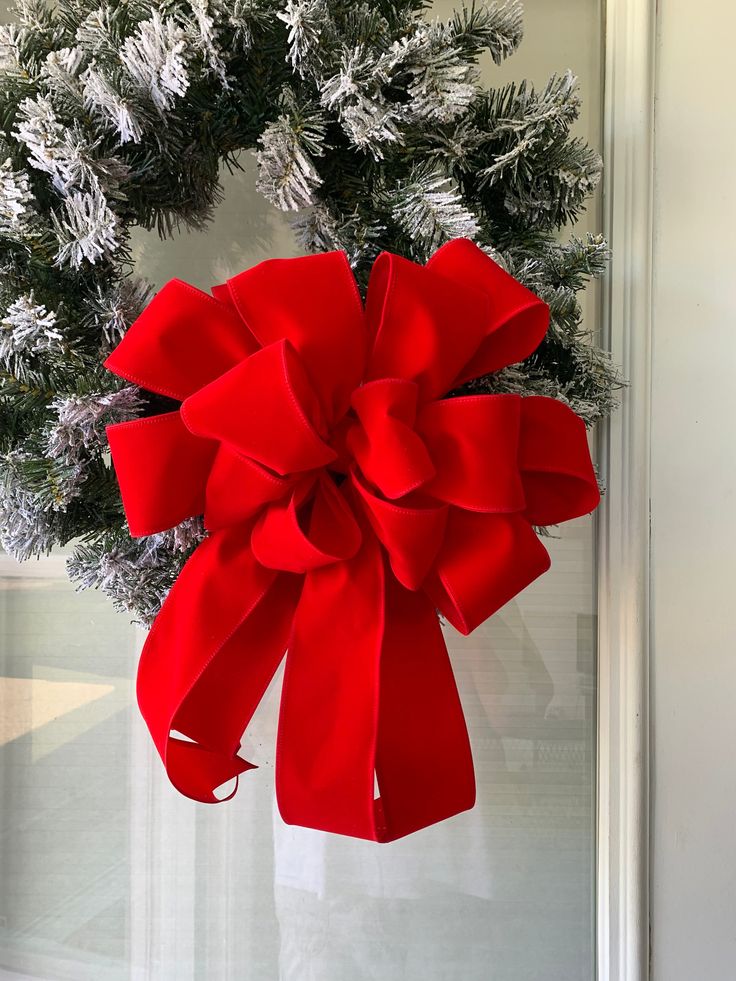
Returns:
<point x="693" y="497"/>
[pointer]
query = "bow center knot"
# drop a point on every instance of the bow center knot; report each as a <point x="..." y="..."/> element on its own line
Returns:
<point x="382" y="439"/>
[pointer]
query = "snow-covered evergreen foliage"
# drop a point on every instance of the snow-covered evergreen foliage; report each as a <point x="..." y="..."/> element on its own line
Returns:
<point x="369" y="122"/>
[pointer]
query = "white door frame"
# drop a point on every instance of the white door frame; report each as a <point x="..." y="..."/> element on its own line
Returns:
<point x="623" y="643"/>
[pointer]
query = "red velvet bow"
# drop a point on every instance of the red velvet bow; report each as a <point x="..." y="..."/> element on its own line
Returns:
<point x="346" y="502"/>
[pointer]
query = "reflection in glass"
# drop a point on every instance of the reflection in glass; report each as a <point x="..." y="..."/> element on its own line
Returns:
<point x="108" y="873"/>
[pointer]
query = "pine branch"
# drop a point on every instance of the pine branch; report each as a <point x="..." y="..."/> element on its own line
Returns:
<point x="430" y="209"/>
<point x="287" y="174"/>
<point x="136" y="573"/>
<point x="494" y="27"/>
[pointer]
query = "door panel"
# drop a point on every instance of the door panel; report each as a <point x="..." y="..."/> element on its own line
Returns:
<point x="107" y="874"/>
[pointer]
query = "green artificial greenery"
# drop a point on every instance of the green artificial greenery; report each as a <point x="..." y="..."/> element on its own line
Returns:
<point x="369" y="124"/>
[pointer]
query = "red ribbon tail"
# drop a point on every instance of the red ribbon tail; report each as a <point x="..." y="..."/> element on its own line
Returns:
<point x="209" y="658"/>
<point x="368" y="696"/>
<point x="424" y="765"/>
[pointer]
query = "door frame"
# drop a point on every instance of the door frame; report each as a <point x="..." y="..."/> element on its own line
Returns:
<point x="623" y="526"/>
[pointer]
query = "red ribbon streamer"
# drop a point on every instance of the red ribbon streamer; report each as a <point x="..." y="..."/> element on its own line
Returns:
<point x="346" y="501"/>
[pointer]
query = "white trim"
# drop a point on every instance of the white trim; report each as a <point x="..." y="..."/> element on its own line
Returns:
<point x="623" y="697"/>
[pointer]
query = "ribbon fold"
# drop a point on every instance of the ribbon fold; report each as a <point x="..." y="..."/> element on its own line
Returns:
<point x="346" y="502"/>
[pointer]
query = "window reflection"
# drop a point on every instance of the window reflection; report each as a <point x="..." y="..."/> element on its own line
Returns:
<point x="108" y="873"/>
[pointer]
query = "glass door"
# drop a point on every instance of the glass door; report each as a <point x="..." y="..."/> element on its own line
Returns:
<point x="107" y="874"/>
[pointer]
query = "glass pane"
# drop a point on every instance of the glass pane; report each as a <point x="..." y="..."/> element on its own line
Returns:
<point x="106" y="873"/>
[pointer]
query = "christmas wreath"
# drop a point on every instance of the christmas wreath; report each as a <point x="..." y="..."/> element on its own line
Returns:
<point x="368" y="121"/>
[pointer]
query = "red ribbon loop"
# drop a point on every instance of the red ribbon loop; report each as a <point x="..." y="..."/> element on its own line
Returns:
<point x="516" y="319"/>
<point x="486" y="559"/>
<point x="163" y="349"/>
<point x="172" y="454"/>
<point x="412" y="536"/>
<point x="327" y="332"/>
<point x="554" y="463"/>
<point x="346" y="501"/>
<point x="474" y="441"/>
<point x="237" y="489"/>
<point x="385" y="446"/>
<point x="413" y="317"/>
<point x="279" y="541"/>
<point x="271" y="384"/>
